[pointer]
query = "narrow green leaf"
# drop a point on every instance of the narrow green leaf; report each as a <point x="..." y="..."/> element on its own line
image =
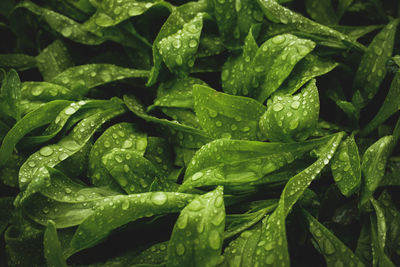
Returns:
<point x="118" y="210"/>
<point x="226" y="116"/>
<point x="10" y="95"/>
<point x="372" y="68"/>
<point x="335" y="252"/>
<point x="19" y="62"/>
<point x="33" y="120"/>
<point x="388" y="108"/>
<point x="321" y="11"/>
<point x="373" y="165"/>
<point x="238" y="162"/>
<point x="52" y="247"/>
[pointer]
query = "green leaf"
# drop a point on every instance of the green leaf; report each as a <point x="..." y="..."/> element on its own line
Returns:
<point x="63" y="25"/>
<point x="111" y="12"/>
<point x="131" y="170"/>
<point x="45" y="92"/>
<point x="279" y="14"/>
<point x="233" y="76"/>
<point x="5" y="215"/>
<point x="52" y="247"/>
<point x="19" y="62"/>
<point x="273" y="62"/>
<point x="33" y="176"/>
<point x="238" y="162"/>
<point x="33" y="120"/>
<point x="346" y="168"/>
<point x="291" y="118"/>
<point x="309" y="67"/>
<point x="225" y="116"/>
<point x="53" y="60"/>
<point x="180" y="134"/>
<point x="234" y="19"/>
<point x="118" y="210"/>
<point x="203" y="219"/>
<point x="392" y="218"/>
<point x="373" y="165"/>
<point x="335" y="252"/>
<point x="273" y="236"/>
<point x="121" y="135"/>
<point x="372" y="68"/>
<point x="10" y="95"/>
<point x="321" y="11"/>
<point x="388" y="108"/>
<point x="80" y="79"/>
<point x="378" y="253"/>
<point x="178" y="50"/>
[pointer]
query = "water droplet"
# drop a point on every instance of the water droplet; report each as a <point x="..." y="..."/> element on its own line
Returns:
<point x="238" y="5"/>
<point x="66" y="32"/>
<point x="329" y="249"/>
<point x="233" y="127"/>
<point x="125" y="204"/>
<point x="180" y="249"/>
<point x="218" y="219"/>
<point x="176" y="43"/>
<point x="80" y="198"/>
<point x="343" y="156"/>
<point x="214" y="240"/>
<point x="318" y="233"/>
<point x="37" y="90"/>
<point x="107" y="144"/>
<point x="159" y="198"/>
<point x="179" y="60"/>
<point x="224" y="74"/>
<point x="195" y="205"/>
<point x="197" y="176"/>
<point x="277" y="107"/>
<point x="192" y="43"/>
<point x="338" y="263"/>
<point x="31" y="164"/>
<point x="182" y="221"/>
<point x="63" y="156"/>
<point x="135" y="10"/>
<point x="278" y="39"/>
<point x="295" y="104"/>
<point x="200" y="226"/>
<point x="46" y="151"/>
<point x="293" y="124"/>
<point x="212" y="113"/>
<point x="46" y="210"/>
<point x="70" y="111"/>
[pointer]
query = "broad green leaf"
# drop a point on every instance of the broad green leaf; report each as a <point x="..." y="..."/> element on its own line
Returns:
<point x="363" y="249"/>
<point x="388" y="108"/>
<point x="179" y="16"/>
<point x="335" y="252"/>
<point x="239" y="162"/>
<point x="118" y="210"/>
<point x="226" y="116"/>
<point x="234" y="19"/>
<point x="273" y="62"/>
<point x="291" y="118"/>
<point x="210" y="45"/>
<point x="19" y="62"/>
<point x="33" y="120"/>
<point x="52" y="247"/>
<point x="53" y="60"/>
<point x="178" y="50"/>
<point x="372" y="68"/>
<point x="180" y="134"/>
<point x="233" y="76"/>
<point x="346" y="167"/>
<point x="33" y="176"/>
<point x="373" y="165"/>
<point x="131" y="170"/>
<point x="80" y="79"/>
<point x="203" y="219"/>
<point x="309" y="67"/>
<point x="10" y="95"/>
<point x="321" y="11"/>
<point x="280" y="14"/>
<point x="121" y="135"/>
